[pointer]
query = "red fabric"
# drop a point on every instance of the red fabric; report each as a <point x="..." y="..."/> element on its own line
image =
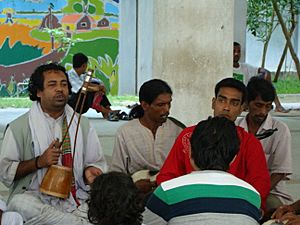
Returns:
<point x="249" y="165"/>
<point x="67" y="159"/>
<point x="96" y="102"/>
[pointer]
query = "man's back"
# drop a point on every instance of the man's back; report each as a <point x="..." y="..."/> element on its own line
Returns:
<point x="249" y="164"/>
<point x="207" y="196"/>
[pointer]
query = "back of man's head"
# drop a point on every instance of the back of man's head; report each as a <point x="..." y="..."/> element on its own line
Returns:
<point x="214" y="143"/>
<point x="151" y="89"/>
<point x="79" y="59"/>
<point x="259" y="87"/>
<point x="114" y="199"/>
<point x="232" y="83"/>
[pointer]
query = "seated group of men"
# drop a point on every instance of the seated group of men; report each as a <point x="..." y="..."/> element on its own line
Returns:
<point x="214" y="171"/>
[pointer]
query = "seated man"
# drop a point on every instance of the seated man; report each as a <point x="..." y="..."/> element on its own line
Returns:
<point x="290" y="214"/>
<point x="209" y="195"/>
<point x="277" y="147"/>
<point x="250" y="162"/>
<point x="29" y="149"/>
<point x="114" y="199"/>
<point x="96" y="97"/>
<point x="243" y="72"/>
<point x="7" y="217"/>
<point x="143" y="143"/>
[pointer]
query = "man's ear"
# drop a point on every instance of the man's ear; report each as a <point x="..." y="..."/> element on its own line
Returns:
<point x="38" y="93"/>
<point x="144" y="105"/>
<point x="213" y="102"/>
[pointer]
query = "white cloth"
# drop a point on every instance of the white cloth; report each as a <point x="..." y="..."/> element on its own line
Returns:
<point x="278" y="152"/>
<point x="244" y="72"/>
<point x="75" y="80"/>
<point x="31" y="204"/>
<point x="9" y="218"/>
<point x="44" y="130"/>
<point x="136" y="148"/>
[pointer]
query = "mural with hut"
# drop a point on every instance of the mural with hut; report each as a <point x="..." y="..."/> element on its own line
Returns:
<point x="34" y="32"/>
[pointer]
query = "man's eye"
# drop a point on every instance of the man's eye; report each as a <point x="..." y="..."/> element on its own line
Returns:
<point x="235" y="103"/>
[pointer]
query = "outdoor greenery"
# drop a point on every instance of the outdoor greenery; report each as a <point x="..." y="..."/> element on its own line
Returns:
<point x="26" y="103"/>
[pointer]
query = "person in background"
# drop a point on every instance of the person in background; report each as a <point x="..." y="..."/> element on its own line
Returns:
<point x="243" y="72"/>
<point x="96" y="97"/>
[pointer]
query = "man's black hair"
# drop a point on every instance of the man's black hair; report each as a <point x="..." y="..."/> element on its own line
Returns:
<point x="232" y="83"/>
<point x="260" y="87"/>
<point x="79" y="59"/>
<point x="114" y="199"/>
<point x="214" y="144"/>
<point x="36" y="81"/>
<point x="236" y="44"/>
<point x="149" y="91"/>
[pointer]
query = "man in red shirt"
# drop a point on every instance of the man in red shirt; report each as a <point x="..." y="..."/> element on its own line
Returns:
<point x="250" y="162"/>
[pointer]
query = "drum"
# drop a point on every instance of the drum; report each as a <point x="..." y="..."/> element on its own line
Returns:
<point x="57" y="181"/>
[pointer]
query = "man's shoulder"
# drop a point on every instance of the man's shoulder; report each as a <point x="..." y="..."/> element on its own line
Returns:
<point x="20" y="121"/>
<point x="133" y="124"/>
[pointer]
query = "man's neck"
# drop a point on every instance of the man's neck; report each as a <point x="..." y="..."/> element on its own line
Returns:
<point x="252" y="126"/>
<point x="77" y="70"/>
<point x="236" y="64"/>
<point x="146" y="122"/>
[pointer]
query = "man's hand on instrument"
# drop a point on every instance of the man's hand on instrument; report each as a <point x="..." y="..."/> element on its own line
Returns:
<point x="282" y="210"/>
<point x="90" y="174"/>
<point x="50" y="156"/>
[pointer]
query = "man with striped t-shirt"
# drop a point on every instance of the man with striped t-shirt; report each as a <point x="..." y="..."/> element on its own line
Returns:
<point x="209" y="195"/>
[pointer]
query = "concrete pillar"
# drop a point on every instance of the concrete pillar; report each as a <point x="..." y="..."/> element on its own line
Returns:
<point x="192" y="50"/>
<point x="127" y="48"/>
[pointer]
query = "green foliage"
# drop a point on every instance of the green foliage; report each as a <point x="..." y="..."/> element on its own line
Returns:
<point x="95" y="7"/>
<point x="78" y="7"/>
<point x="288" y="84"/>
<point x="91" y="9"/>
<point x="259" y="18"/>
<point x="18" y="53"/>
<point x="60" y="36"/>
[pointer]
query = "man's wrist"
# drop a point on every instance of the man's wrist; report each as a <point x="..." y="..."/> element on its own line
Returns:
<point x="37" y="166"/>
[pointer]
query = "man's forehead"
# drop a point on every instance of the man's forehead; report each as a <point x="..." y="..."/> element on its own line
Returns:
<point x="230" y="93"/>
<point x="49" y="74"/>
<point x="258" y="99"/>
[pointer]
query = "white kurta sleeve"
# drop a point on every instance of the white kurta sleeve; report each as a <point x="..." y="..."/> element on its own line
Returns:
<point x="119" y="157"/>
<point x="94" y="155"/>
<point x="9" y="158"/>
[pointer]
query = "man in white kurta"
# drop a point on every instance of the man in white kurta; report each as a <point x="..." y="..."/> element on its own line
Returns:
<point x="277" y="147"/>
<point x="28" y="150"/>
<point x="144" y="143"/>
<point x="136" y="148"/>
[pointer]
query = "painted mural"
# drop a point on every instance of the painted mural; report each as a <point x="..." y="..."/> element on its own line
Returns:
<point x="33" y="32"/>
